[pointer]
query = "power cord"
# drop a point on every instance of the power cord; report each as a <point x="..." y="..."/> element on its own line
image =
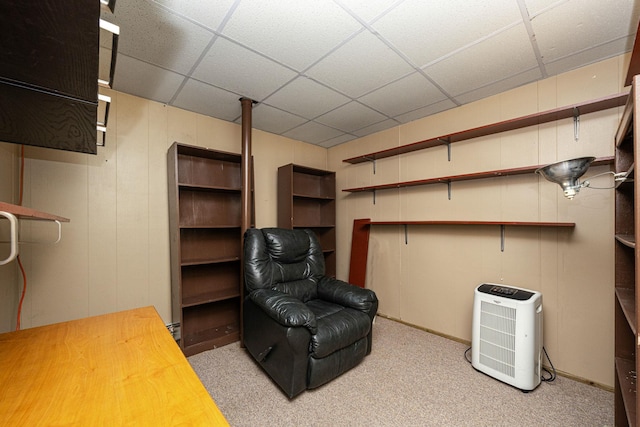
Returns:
<point x="552" y="375"/>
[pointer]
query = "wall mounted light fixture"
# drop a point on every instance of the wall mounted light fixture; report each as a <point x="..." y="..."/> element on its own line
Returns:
<point x="567" y="175"/>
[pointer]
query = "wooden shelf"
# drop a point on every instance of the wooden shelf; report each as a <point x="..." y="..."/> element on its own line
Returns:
<point x="504" y="223"/>
<point x="627" y="299"/>
<point x="627" y="378"/>
<point x="466" y="177"/>
<point x="504" y="126"/>
<point x="27" y="213"/>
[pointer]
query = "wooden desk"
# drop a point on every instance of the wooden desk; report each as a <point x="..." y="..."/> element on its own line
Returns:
<point x="116" y="369"/>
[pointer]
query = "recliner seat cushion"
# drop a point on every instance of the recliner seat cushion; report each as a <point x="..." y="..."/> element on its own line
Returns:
<point x="337" y="328"/>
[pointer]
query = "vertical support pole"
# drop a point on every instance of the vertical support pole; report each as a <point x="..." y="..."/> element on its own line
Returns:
<point x="247" y="207"/>
<point x="502" y="238"/>
<point x="406" y="234"/>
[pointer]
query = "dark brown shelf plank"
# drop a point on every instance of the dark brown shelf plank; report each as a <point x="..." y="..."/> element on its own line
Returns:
<point x="510" y="223"/>
<point x="209" y="298"/>
<point x="627" y="240"/>
<point x="504" y="126"/>
<point x="311" y="196"/>
<point x="28" y="213"/>
<point x="627" y="300"/>
<point x="626" y="123"/>
<point x="467" y="177"/>
<point x="626" y="372"/>
<point x="192" y="187"/>
<point x="205" y="261"/>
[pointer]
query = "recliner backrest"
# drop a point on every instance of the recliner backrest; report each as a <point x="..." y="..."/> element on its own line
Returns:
<point x="289" y="261"/>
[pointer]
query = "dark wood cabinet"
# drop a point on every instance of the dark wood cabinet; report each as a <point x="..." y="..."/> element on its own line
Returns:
<point x="307" y="199"/>
<point x="206" y="244"/>
<point x="49" y="52"/>
<point x="627" y="226"/>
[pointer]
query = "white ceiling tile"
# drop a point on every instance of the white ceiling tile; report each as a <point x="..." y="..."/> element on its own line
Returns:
<point x="484" y="63"/>
<point x="149" y="33"/>
<point x="306" y="98"/>
<point x="368" y="10"/>
<point x="426" y="111"/>
<point x="313" y="28"/>
<point x="197" y="96"/>
<point x="236" y="69"/>
<point x="205" y="12"/>
<point x="337" y="141"/>
<point x="589" y="56"/>
<point x="272" y="120"/>
<point x="500" y="86"/>
<point x="572" y="26"/>
<point x="351" y="117"/>
<point x="363" y="64"/>
<point x="313" y="132"/>
<point x="145" y="80"/>
<point x="404" y="95"/>
<point x="427" y="30"/>
<point x="377" y="127"/>
<point x="535" y="7"/>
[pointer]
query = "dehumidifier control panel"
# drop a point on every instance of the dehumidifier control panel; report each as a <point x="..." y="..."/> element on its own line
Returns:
<point x="505" y="291"/>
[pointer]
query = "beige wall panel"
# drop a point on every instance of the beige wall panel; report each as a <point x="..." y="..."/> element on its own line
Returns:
<point x="519" y="198"/>
<point x="132" y="212"/>
<point x="384" y="269"/>
<point x="309" y="155"/>
<point x="217" y="134"/>
<point x="102" y="226"/>
<point x="591" y="82"/>
<point x="181" y="126"/>
<point x="441" y="267"/>
<point x="57" y="274"/>
<point x="519" y="102"/>
<point x="159" y="270"/>
<point x="267" y="158"/>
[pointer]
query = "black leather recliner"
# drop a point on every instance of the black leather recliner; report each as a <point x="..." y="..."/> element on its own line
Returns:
<point x="302" y="327"/>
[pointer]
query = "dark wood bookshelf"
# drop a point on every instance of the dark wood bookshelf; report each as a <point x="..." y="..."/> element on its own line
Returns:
<point x="307" y="199"/>
<point x="206" y="245"/>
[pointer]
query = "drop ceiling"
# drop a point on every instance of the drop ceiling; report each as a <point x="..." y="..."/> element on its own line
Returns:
<point x="330" y="71"/>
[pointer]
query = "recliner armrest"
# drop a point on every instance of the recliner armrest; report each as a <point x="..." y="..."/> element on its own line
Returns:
<point x="348" y="295"/>
<point x="285" y="309"/>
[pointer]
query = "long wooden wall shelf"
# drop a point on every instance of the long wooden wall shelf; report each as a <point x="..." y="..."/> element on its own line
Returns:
<point x="503" y="126"/>
<point x="465" y="177"/>
<point x="27" y="213"/>
<point x="502" y="223"/>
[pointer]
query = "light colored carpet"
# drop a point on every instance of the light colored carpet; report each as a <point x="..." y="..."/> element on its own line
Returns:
<point x="411" y="378"/>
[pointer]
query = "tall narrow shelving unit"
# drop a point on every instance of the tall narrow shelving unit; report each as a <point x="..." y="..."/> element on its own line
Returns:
<point x="205" y="229"/>
<point x="627" y="340"/>
<point x="307" y="199"/>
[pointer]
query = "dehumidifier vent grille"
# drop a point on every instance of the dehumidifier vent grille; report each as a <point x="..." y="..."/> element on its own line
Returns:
<point x="497" y="337"/>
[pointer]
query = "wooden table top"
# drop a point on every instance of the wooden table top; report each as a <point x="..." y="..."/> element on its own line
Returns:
<point x="115" y="369"/>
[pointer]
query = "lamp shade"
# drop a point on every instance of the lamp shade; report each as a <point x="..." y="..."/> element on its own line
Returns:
<point x="567" y="174"/>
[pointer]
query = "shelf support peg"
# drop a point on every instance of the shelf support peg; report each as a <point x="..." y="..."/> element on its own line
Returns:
<point x="502" y="238"/>
<point x="406" y="234"/>
<point x="374" y="196"/>
<point x="449" y="189"/>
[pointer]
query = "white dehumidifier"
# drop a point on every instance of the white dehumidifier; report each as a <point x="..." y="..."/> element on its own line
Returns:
<point x="506" y="339"/>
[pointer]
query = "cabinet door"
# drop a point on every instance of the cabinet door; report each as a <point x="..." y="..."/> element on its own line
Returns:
<point x="51" y="45"/>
